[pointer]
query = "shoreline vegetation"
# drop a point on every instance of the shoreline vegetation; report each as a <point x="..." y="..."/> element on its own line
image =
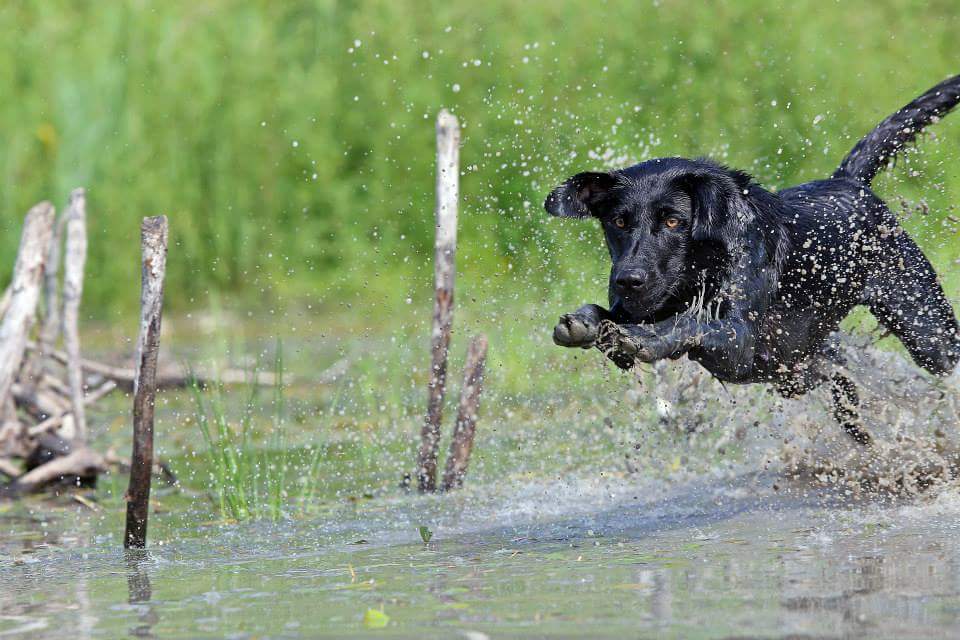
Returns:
<point x="291" y="147"/>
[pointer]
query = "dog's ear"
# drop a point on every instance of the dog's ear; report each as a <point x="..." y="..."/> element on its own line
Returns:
<point x="580" y="196"/>
<point x="732" y="213"/>
<point x="719" y="211"/>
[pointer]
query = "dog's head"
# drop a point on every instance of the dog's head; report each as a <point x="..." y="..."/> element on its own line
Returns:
<point x="673" y="226"/>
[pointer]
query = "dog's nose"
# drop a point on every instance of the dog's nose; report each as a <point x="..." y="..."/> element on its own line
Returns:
<point x="631" y="280"/>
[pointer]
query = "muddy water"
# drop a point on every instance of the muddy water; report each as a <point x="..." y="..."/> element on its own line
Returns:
<point x="713" y="558"/>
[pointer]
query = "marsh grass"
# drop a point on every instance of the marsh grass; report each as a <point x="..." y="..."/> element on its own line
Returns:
<point x="248" y="481"/>
<point x="307" y="164"/>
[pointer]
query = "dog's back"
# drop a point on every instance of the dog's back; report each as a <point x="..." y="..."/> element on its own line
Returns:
<point x="849" y="249"/>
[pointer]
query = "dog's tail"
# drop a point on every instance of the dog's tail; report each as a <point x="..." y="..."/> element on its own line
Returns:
<point x="879" y="147"/>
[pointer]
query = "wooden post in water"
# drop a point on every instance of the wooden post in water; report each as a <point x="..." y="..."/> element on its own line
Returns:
<point x="445" y="247"/>
<point x="466" y="424"/>
<point x="153" y="241"/>
<point x="75" y="257"/>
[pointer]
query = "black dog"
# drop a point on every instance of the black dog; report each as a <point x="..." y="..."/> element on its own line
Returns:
<point x="751" y="283"/>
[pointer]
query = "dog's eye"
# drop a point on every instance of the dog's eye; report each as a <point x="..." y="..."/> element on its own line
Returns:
<point x="672" y="222"/>
<point x="619" y="223"/>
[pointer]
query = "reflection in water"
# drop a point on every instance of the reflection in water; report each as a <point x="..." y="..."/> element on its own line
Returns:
<point x="139" y="592"/>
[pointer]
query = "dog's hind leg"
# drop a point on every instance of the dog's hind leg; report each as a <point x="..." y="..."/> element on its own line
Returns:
<point x="909" y="302"/>
<point x="846" y="405"/>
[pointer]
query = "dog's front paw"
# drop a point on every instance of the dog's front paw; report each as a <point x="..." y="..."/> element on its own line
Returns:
<point x="623" y="348"/>
<point x="576" y="330"/>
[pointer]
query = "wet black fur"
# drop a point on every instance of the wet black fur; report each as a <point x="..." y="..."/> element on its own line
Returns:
<point x="751" y="283"/>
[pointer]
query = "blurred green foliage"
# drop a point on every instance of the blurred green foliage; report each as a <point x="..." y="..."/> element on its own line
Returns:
<point x="291" y="143"/>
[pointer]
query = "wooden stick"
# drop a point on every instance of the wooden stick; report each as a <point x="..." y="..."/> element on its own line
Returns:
<point x="25" y="291"/>
<point x="153" y="233"/>
<point x="73" y="264"/>
<point x="466" y="425"/>
<point x="445" y="247"/>
<point x="54" y="383"/>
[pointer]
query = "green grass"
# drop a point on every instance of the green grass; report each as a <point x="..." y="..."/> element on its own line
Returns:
<point x="296" y="165"/>
<point x="296" y="450"/>
<point x="248" y="479"/>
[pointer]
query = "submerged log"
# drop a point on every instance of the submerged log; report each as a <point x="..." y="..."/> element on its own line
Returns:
<point x="154" y="262"/>
<point x="465" y="427"/>
<point x="445" y="247"/>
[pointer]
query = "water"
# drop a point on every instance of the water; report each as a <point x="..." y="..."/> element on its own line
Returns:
<point x="713" y="558"/>
<point x="671" y="507"/>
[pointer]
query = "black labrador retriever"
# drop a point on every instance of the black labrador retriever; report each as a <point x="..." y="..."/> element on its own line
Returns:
<point x="751" y="283"/>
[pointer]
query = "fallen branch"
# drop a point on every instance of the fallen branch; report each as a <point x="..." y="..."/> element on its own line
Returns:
<point x="55" y="384"/>
<point x="93" y="506"/>
<point x="12" y="438"/>
<point x="80" y="464"/>
<point x="25" y="292"/>
<point x="54" y="422"/>
<point x="178" y="377"/>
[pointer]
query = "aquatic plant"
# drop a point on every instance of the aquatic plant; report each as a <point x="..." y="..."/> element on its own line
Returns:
<point x="248" y="481"/>
<point x="425" y="533"/>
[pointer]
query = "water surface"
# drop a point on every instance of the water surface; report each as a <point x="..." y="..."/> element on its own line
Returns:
<point x="717" y="557"/>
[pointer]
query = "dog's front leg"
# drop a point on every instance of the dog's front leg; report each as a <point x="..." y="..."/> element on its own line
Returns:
<point x="580" y="328"/>
<point x="626" y="344"/>
<point x="730" y="342"/>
